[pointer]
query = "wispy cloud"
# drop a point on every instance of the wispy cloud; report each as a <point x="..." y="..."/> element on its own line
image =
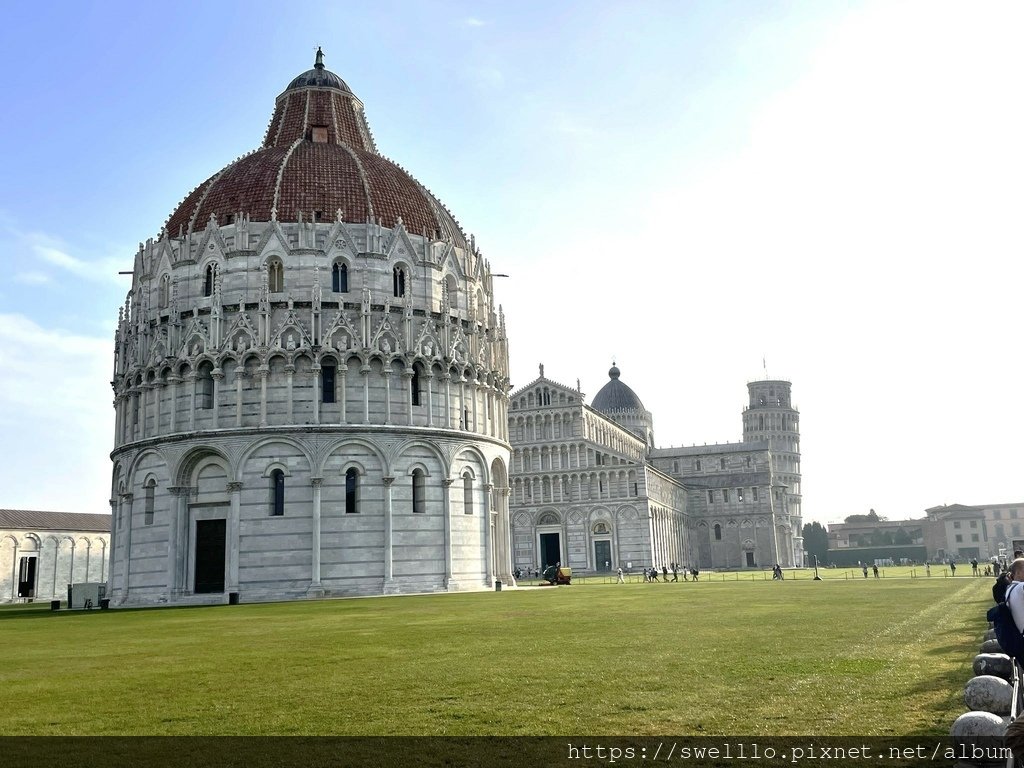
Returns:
<point x="32" y="278"/>
<point x="34" y="252"/>
<point x="54" y="381"/>
<point x="472" y="21"/>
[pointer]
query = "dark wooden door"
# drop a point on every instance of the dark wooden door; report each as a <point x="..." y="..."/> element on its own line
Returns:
<point x="211" y="537"/>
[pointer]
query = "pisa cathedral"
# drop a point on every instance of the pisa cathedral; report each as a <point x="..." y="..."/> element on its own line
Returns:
<point x="310" y="381"/>
<point x="591" y="490"/>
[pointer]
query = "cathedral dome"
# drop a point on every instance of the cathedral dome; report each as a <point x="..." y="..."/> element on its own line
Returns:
<point x="318" y="159"/>
<point x="616" y="396"/>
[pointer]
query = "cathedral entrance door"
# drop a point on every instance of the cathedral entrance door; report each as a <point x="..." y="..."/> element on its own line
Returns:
<point x="27" y="577"/>
<point x="211" y="537"/>
<point x="602" y="555"/>
<point x="550" y="549"/>
<point x="750" y="559"/>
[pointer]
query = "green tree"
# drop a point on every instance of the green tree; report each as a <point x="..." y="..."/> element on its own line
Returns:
<point x="816" y="542"/>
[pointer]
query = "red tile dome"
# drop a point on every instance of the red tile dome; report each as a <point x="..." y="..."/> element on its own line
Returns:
<point x="318" y="157"/>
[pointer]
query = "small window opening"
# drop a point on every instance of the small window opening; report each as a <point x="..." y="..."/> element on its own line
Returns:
<point x="277" y="493"/>
<point x="328" y="378"/>
<point x="351" y="492"/>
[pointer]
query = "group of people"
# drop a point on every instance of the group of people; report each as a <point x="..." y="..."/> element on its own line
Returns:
<point x="651" y="574"/>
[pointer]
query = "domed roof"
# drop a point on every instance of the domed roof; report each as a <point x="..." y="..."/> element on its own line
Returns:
<point x="318" y="77"/>
<point x="318" y="158"/>
<point x="616" y="396"/>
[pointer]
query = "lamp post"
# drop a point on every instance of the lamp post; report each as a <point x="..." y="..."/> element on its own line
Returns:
<point x="816" y="576"/>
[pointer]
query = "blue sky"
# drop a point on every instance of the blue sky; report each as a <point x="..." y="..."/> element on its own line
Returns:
<point x="688" y="188"/>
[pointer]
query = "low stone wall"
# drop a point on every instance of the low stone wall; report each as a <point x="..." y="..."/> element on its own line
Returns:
<point x="988" y="696"/>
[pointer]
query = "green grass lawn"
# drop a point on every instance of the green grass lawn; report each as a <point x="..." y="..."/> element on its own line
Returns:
<point x="840" y="656"/>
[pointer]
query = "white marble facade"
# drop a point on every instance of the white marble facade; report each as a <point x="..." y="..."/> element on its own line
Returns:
<point x="41" y="553"/>
<point x="315" y="406"/>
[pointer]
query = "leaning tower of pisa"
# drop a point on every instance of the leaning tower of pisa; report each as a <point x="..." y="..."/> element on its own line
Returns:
<point x="770" y="417"/>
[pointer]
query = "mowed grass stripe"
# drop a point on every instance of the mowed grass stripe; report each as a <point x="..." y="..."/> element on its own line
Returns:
<point x="887" y="656"/>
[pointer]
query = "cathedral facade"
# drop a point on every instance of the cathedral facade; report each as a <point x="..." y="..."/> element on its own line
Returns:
<point x="591" y="490"/>
<point x="310" y="381"/>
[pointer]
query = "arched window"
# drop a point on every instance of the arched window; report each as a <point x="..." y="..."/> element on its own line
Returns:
<point x="696" y="465"/>
<point x="204" y="387"/>
<point x="275" y="275"/>
<point x="277" y="492"/>
<point x="718" y="532"/>
<point x="339" y="278"/>
<point x="419" y="505"/>
<point x="208" y="280"/>
<point x="150" y="501"/>
<point x="164" y="294"/>
<point x="328" y="377"/>
<point x="414" y="385"/>
<point x="399" y="276"/>
<point x="467" y="493"/>
<point x="352" y="491"/>
<point x="451" y="289"/>
<point x="721" y="463"/>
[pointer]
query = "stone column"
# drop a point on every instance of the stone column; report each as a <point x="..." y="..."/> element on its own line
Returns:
<point x="388" y="534"/>
<point x="180" y="496"/>
<point x="447" y="379"/>
<point x="407" y="375"/>
<point x="447" y="510"/>
<point x="365" y="371"/>
<point x="387" y="393"/>
<point x="488" y="536"/>
<point x="314" y="579"/>
<point x="190" y="380"/>
<point x="289" y="374"/>
<point x="126" y="512"/>
<point x="112" y="587"/>
<point x="430" y="398"/>
<point x="159" y="385"/>
<point x="143" y="408"/>
<point x="343" y="375"/>
<point x="239" y="377"/>
<point x="314" y="371"/>
<point x="234" y="535"/>
<point x="218" y="378"/>
<point x="463" y="410"/>
<point x="263" y="372"/>
<point x="174" y="381"/>
<point x="475" y="394"/>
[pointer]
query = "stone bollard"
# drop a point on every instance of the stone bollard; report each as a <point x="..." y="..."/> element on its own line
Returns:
<point x="997" y="664"/>
<point x="977" y="725"/>
<point x="988" y="693"/>
<point x="991" y="646"/>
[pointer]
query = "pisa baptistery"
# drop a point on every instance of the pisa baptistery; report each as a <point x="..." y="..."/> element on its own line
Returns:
<point x="310" y="381"/>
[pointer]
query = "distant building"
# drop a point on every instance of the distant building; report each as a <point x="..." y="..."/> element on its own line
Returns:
<point x="954" y="531"/>
<point x="42" y="552"/>
<point x="982" y="531"/>
<point x="590" y="490"/>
